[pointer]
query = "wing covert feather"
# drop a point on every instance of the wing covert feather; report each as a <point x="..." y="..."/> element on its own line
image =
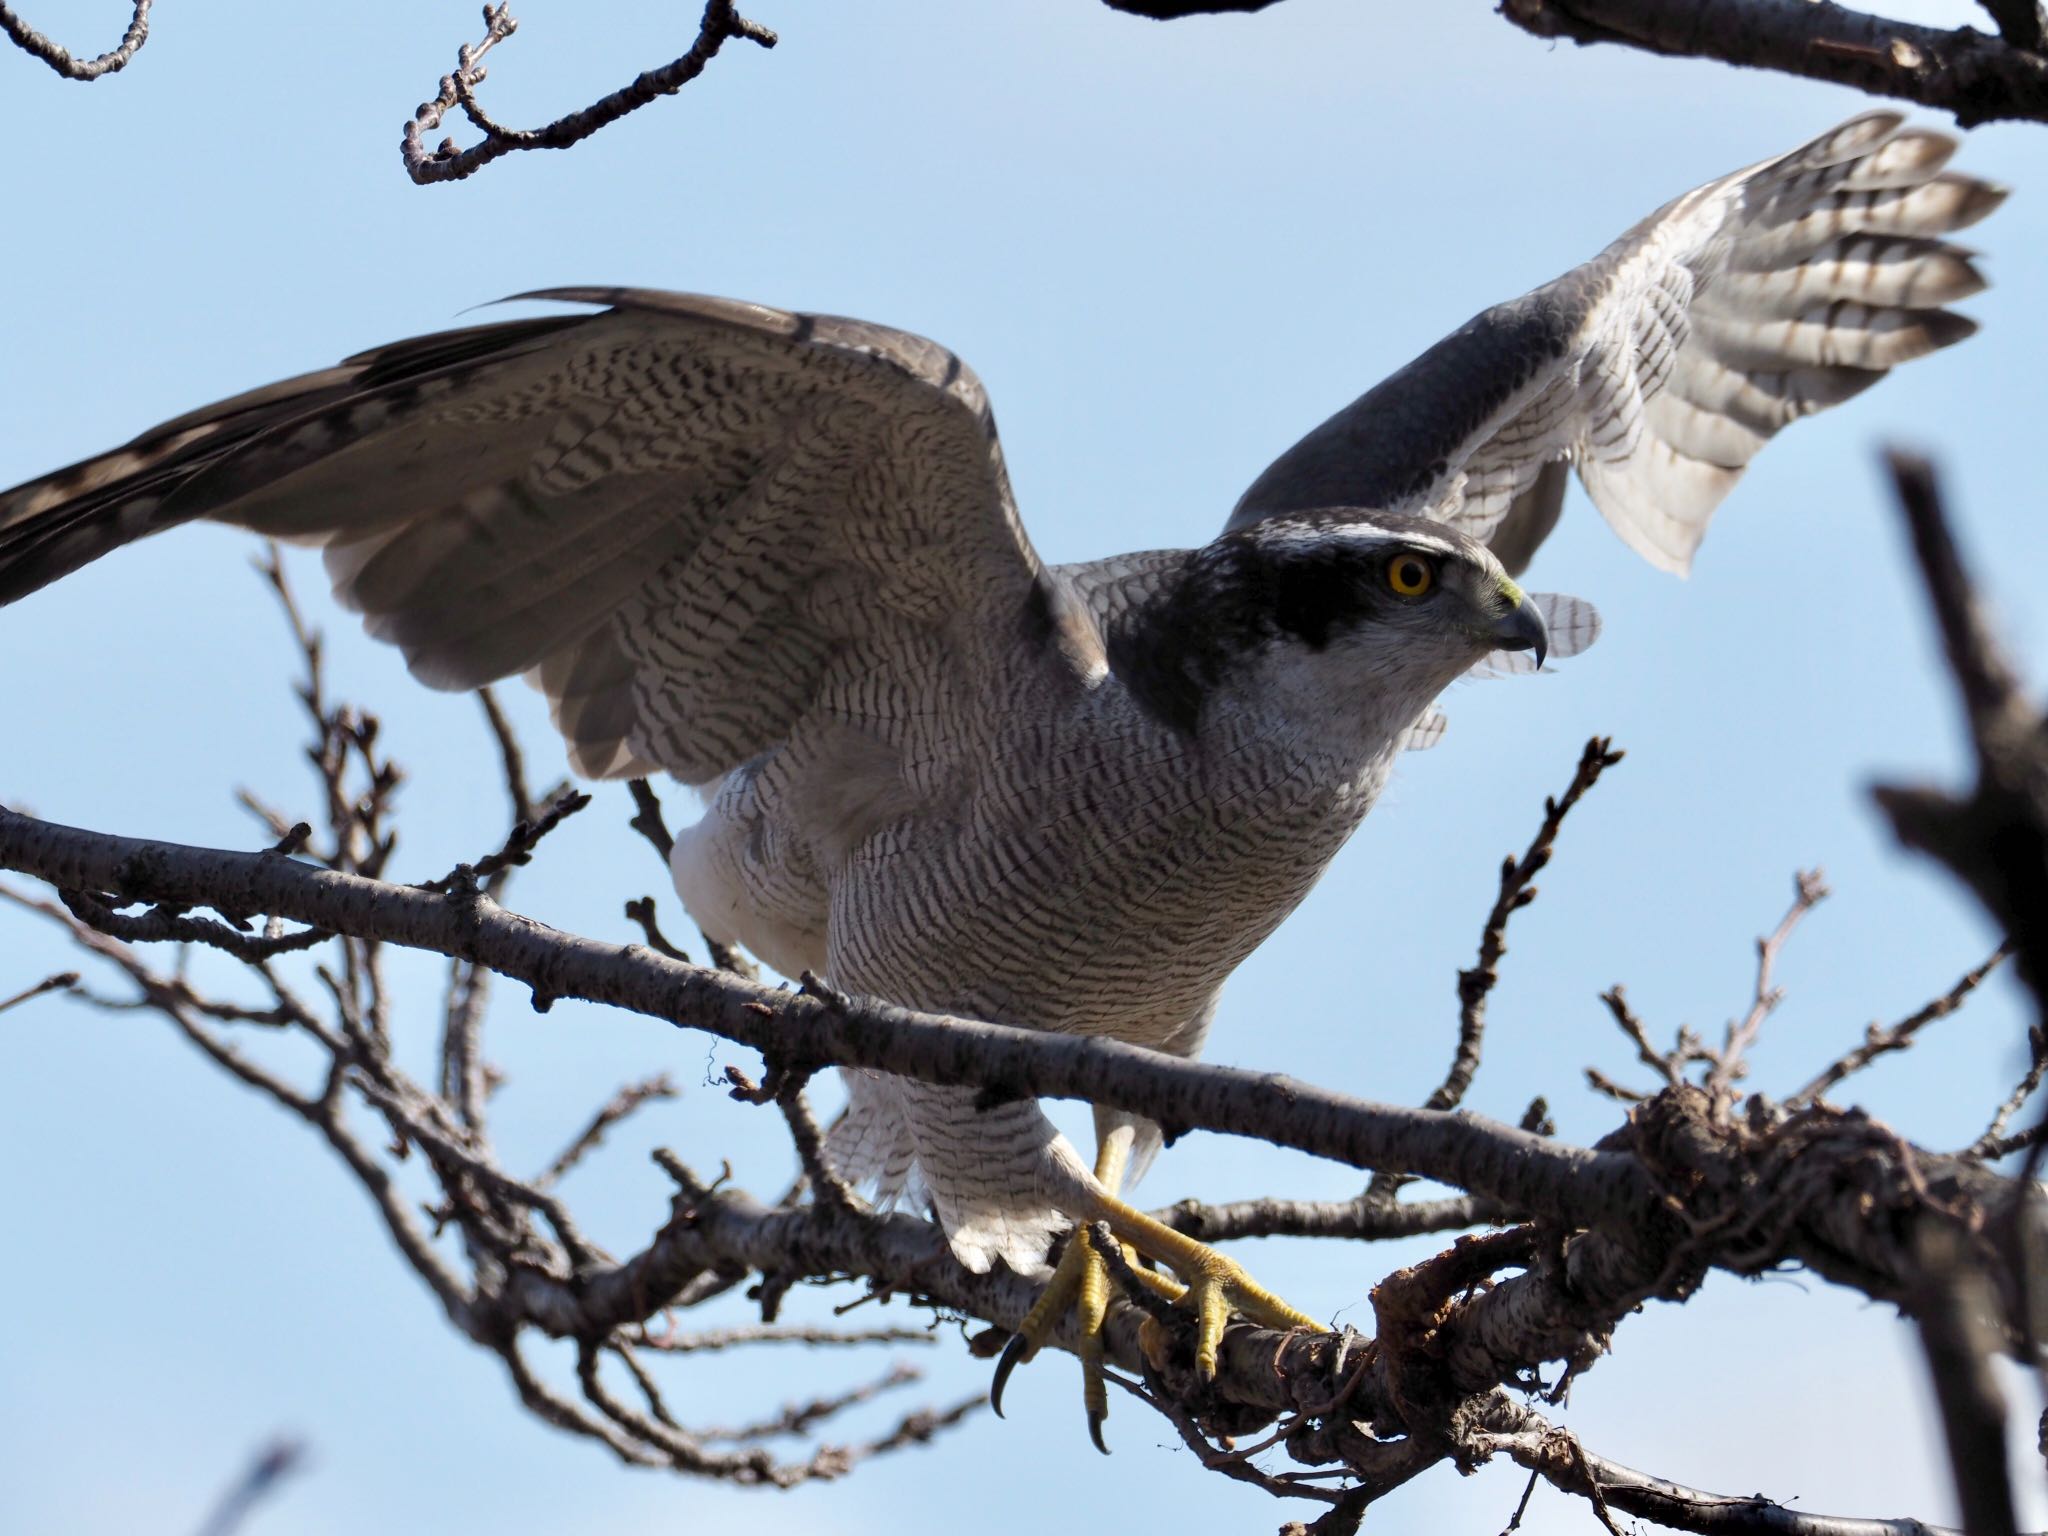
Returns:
<point x="679" y="516"/>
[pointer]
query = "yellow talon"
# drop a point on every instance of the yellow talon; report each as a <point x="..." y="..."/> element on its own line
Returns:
<point x="1216" y="1286"/>
<point x="1079" y="1281"/>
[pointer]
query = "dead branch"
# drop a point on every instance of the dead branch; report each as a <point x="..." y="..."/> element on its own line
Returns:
<point x="617" y="1108"/>
<point x="2023" y="23"/>
<point x="1517" y="890"/>
<point x="1531" y="1441"/>
<point x="1994" y="1143"/>
<point x="721" y="23"/>
<point x="1996" y="838"/>
<point x="1959" y="1337"/>
<point x="61" y="60"/>
<point x="1977" y="77"/>
<point x="63" y="981"/>
<point x="272" y="1466"/>
<point x="1808" y="891"/>
<point x="1879" y="1041"/>
<point x="713" y="1340"/>
<point x="798" y="1418"/>
<point x="649" y="822"/>
<point x="1175" y="10"/>
<point x="1361" y="1218"/>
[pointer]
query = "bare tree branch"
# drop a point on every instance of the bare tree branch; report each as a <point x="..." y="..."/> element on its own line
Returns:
<point x="2023" y="23"/>
<point x="1475" y="984"/>
<point x="1975" y="76"/>
<point x="1361" y="1218"/>
<point x="1486" y="1157"/>
<point x="713" y="1340"/>
<point x="273" y="1465"/>
<point x="1808" y="891"/>
<point x="1996" y="840"/>
<point x="1959" y="1337"/>
<point x="721" y="22"/>
<point x="1900" y="1036"/>
<point x="38" y="46"/>
<point x="1532" y="1442"/>
<point x="621" y="1104"/>
<point x="1175" y="10"/>
<point x="1994" y="1143"/>
<point x="63" y="981"/>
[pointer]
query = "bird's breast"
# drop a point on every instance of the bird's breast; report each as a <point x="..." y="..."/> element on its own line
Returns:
<point x="1105" y="882"/>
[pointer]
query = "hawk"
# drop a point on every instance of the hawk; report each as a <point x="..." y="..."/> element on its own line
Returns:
<point x="775" y="556"/>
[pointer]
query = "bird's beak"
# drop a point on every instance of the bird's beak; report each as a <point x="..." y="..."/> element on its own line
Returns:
<point x="1521" y="627"/>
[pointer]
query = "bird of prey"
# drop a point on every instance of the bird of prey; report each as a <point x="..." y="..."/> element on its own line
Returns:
<point x="775" y="556"/>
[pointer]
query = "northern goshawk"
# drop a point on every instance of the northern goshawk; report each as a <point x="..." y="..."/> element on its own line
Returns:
<point x="775" y="556"/>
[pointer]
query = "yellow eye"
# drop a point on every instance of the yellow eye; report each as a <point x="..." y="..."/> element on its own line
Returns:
<point x="1409" y="575"/>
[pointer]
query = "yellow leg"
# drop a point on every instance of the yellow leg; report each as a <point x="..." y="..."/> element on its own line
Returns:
<point x="1080" y="1281"/>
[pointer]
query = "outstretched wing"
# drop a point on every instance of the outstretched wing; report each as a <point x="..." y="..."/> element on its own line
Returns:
<point x="690" y="521"/>
<point x="1662" y="366"/>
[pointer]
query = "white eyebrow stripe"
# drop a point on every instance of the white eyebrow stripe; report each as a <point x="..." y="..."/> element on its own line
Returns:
<point x="1307" y="535"/>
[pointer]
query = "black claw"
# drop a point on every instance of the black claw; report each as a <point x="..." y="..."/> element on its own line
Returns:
<point x="1095" y="1422"/>
<point x="1014" y="1354"/>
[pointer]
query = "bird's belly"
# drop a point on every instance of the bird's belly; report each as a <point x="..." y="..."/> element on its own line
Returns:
<point x="1117" y="919"/>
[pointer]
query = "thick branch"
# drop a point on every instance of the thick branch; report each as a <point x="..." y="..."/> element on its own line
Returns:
<point x="1974" y="75"/>
<point x="1174" y="10"/>
<point x="1360" y="1218"/>
<point x="1522" y="1170"/>
<point x="1996" y="840"/>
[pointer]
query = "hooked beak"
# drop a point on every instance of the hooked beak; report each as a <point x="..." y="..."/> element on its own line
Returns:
<point x="1521" y="628"/>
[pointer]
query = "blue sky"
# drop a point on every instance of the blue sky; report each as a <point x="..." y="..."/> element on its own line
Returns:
<point x="1168" y="251"/>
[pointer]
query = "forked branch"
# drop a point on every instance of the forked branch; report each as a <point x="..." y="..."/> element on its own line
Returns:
<point x="721" y="23"/>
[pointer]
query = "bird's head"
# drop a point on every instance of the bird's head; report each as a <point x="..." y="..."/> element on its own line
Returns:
<point x="1366" y="616"/>
<point x="1390" y="591"/>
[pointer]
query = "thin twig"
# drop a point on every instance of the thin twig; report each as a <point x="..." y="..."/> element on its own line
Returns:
<point x="272" y="1465"/>
<point x="1517" y="890"/>
<point x="641" y="911"/>
<point x="648" y="820"/>
<point x="827" y="1187"/>
<point x="1667" y="1066"/>
<point x="511" y="758"/>
<point x="617" y="1108"/>
<point x="798" y="1418"/>
<point x="517" y="848"/>
<point x="1878" y="1041"/>
<point x="63" y="981"/>
<point x="716" y="1339"/>
<point x="1809" y="889"/>
<point x="62" y="61"/>
<point x="721" y="22"/>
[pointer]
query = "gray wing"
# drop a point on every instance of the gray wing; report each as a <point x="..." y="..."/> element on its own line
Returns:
<point x="1663" y="365"/>
<point x="691" y="521"/>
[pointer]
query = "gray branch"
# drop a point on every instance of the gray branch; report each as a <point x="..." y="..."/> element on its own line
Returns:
<point x="721" y="23"/>
<point x="33" y="43"/>
<point x="1977" y="77"/>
